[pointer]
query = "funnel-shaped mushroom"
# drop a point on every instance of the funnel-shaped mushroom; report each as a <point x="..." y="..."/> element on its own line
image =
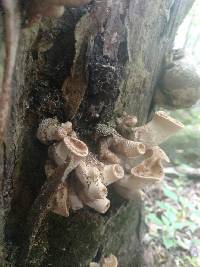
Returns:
<point x="69" y="151"/>
<point x="151" y="169"/>
<point x="59" y="201"/>
<point x="51" y="130"/>
<point x="159" y="129"/>
<point x="112" y="173"/>
<point x="89" y="176"/>
<point x="148" y="172"/>
<point x="127" y="147"/>
<point x="121" y="146"/>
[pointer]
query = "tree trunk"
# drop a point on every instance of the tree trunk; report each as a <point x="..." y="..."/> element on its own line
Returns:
<point x="87" y="66"/>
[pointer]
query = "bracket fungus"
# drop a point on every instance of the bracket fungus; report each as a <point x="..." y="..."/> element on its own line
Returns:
<point x="131" y="165"/>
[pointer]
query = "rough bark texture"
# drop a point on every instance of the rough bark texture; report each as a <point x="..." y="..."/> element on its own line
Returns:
<point x="87" y="66"/>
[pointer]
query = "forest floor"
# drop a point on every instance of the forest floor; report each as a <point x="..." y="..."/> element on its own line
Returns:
<point x="172" y="209"/>
<point x="173" y="224"/>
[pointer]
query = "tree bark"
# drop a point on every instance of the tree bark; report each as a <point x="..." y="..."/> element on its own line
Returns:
<point x="87" y="66"/>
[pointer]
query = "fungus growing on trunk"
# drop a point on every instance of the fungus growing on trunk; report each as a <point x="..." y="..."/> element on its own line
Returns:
<point x="159" y="129"/>
<point x="140" y="162"/>
<point x="144" y="175"/>
<point x="94" y="177"/>
<point x="111" y="149"/>
<point x="51" y="130"/>
<point x="112" y="173"/>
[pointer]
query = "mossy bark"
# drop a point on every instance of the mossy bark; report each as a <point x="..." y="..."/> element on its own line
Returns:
<point x="87" y="66"/>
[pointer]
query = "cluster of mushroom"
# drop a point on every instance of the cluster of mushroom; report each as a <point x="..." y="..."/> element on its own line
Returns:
<point x="131" y="161"/>
<point x="91" y="177"/>
<point x="110" y="261"/>
<point x="50" y="8"/>
<point x="137" y="151"/>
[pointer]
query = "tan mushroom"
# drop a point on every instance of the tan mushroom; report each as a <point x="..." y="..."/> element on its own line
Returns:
<point x="94" y="176"/>
<point x="148" y="172"/>
<point x="89" y="176"/>
<point x="159" y="129"/>
<point x="127" y="148"/>
<point x="112" y="149"/>
<point x="69" y="151"/>
<point x="112" y="173"/>
<point x="51" y="130"/>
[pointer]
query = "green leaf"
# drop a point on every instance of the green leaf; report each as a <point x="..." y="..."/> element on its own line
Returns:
<point x="185" y="244"/>
<point x="166" y="206"/>
<point x="180" y="225"/>
<point x="170" y="194"/>
<point x="154" y="219"/>
<point x="168" y="243"/>
<point x="170" y="215"/>
<point x="165" y="220"/>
